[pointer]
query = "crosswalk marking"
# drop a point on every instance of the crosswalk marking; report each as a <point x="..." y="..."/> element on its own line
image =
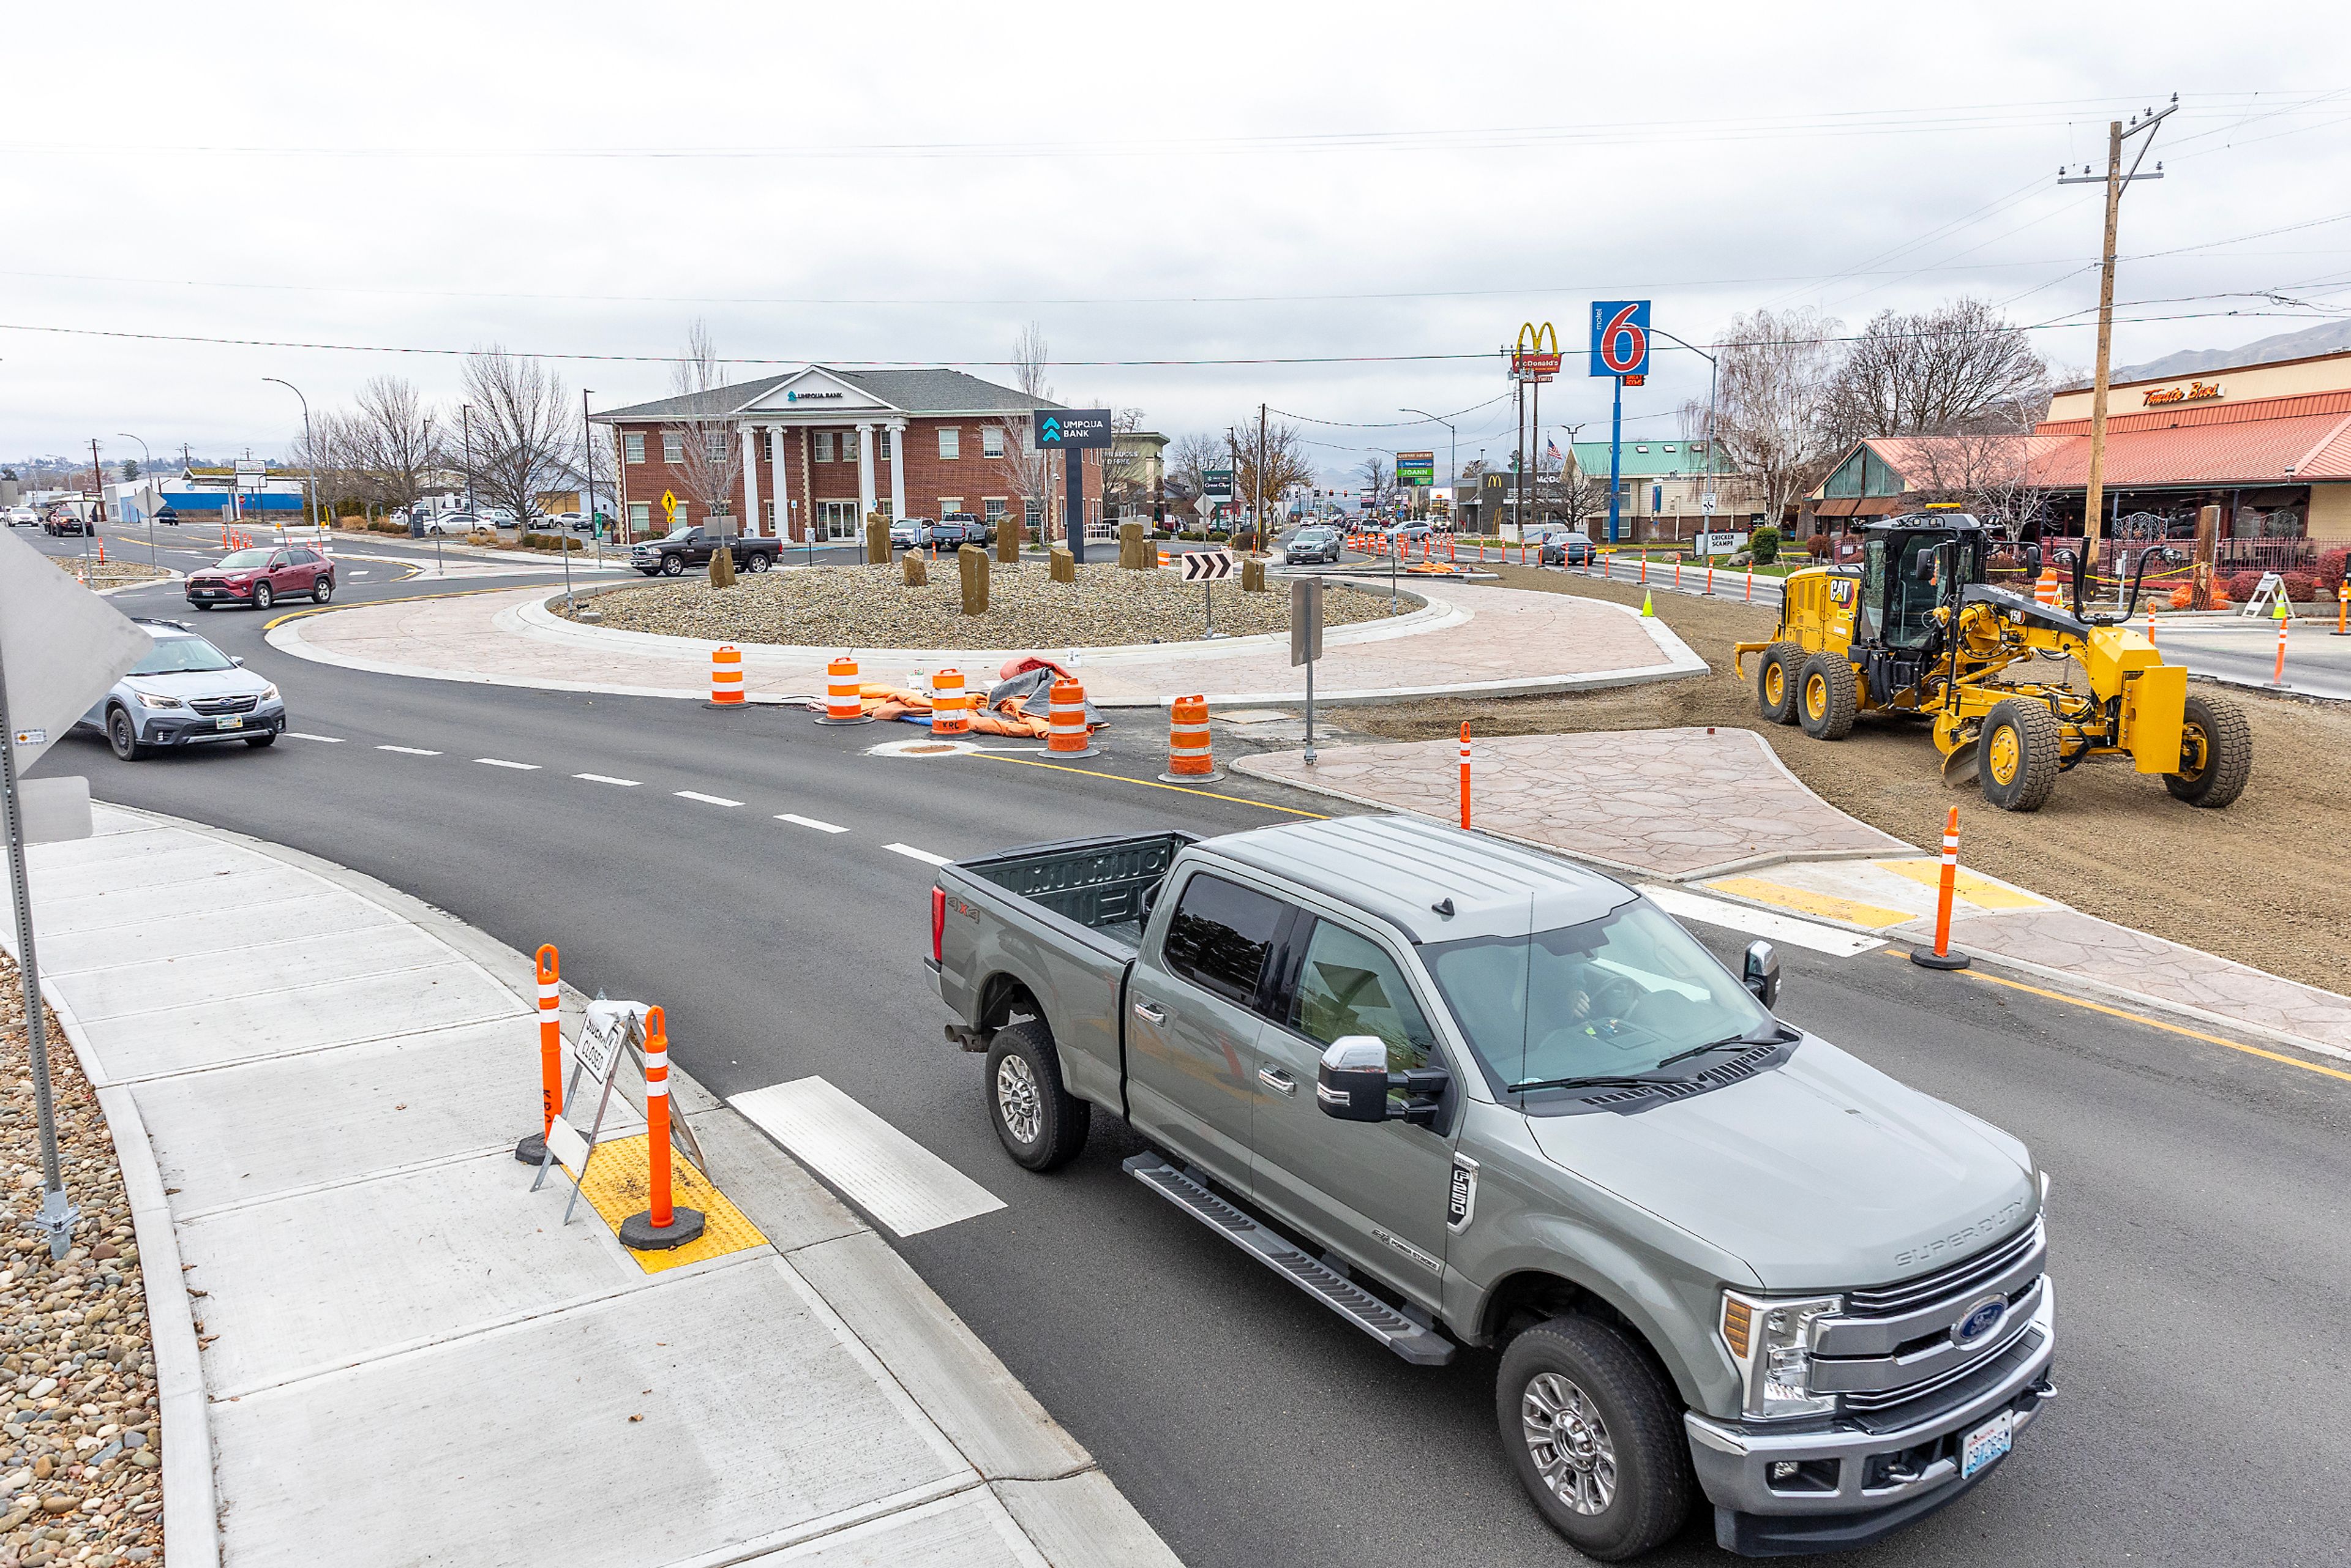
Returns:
<point x="880" y="1168"/>
<point x="809" y="823"/>
<point x="1683" y="905"/>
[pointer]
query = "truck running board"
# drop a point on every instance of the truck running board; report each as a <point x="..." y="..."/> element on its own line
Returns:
<point x="1419" y="1344"/>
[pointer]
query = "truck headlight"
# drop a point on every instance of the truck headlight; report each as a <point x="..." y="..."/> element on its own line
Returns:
<point x="1771" y="1341"/>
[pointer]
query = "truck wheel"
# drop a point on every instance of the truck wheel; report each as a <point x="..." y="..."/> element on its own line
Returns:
<point x="1595" y="1434"/>
<point x="2018" y="755"/>
<point x="2216" y="753"/>
<point x="673" y="565"/>
<point x="1776" y="682"/>
<point x="1041" y="1123"/>
<point x="759" y="560"/>
<point x="1827" y="698"/>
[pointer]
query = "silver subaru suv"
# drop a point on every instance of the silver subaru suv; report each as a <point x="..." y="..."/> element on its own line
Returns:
<point x="185" y="692"/>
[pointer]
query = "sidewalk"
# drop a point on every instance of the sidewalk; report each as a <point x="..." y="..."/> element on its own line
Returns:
<point x="1717" y="813"/>
<point x="1471" y="640"/>
<point x="391" y="1351"/>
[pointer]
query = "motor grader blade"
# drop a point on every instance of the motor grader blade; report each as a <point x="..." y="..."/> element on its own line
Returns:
<point x="1963" y="764"/>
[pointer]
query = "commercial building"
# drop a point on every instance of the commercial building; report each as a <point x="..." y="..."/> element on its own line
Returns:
<point x="207" y="490"/>
<point x="2269" y="444"/>
<point x="816" y="450"/>
<point x="1662" y="487"/>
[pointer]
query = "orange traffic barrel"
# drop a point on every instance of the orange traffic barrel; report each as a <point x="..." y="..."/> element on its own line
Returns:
<point x="844" y="699"/>
<point x="1069" y="735"/>
<point x="950" y="704"/>
<point x="2045" y="590"/>
<point x="727" y="676"/>
<point x="1189" y="760"/>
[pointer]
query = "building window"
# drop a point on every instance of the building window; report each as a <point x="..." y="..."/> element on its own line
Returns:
<point x="950" y="442"/>
<point x="824" y="446"/>
<point x="673" y="447"/>
<point x="633" y="446"/>
<point x="848" y="446"/>
<point x="640" y="515"/>
<point x="887" y="507"/>
<point x="991" y="440"/>
<point x="713" y="443"/>
<point x="992" y="507"/>
<point x="881" y="446"/>
<point x="950" y="504"/>
<point x="1032" y="510"/>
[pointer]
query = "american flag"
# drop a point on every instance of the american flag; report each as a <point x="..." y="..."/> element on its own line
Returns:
<point x="1551" y="449"/>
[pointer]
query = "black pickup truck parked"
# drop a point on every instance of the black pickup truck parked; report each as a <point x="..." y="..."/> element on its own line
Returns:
<point x="670" y="555"/>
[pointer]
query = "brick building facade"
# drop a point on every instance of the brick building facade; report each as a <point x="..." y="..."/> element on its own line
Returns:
<point x="832" y="445"/>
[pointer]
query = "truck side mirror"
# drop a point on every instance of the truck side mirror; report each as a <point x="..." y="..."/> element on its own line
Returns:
<point x="2032" y="562"/>
<point x="1351" y="1084"/>
<point x="1762" y="973"/>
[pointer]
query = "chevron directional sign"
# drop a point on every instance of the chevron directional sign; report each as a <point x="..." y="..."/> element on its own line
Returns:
<point x="1208" y="565"/>
<point x="1073" y="427"/>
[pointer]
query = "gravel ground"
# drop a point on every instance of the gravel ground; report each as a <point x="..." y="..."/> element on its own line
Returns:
<point x="80" y="1458"/>
<point x="2266" y="882"/>
<point x="871" y="606"/>
<point x="113" y="574"/>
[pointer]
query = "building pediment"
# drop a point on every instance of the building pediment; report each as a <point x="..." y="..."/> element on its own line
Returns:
<point x="813" y="393"/>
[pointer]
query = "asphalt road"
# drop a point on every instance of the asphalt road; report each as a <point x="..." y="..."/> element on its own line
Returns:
<point x="2197" y="1213"/>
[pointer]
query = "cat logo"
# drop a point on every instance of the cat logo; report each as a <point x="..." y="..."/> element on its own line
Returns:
<point x="1841" y="592"/>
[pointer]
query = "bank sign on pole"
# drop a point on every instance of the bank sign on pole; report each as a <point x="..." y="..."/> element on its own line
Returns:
<point x="1073" y="427"/>
<point x="1620" y="338"/>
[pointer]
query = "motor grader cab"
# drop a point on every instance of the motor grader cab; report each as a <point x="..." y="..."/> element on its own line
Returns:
<point x="1916" y="628"/>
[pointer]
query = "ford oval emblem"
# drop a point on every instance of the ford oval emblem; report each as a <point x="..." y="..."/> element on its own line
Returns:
<point x="1979" y="1320"/>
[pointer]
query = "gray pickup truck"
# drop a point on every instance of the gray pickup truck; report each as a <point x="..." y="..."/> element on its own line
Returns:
<point x="1463" y="1093"/>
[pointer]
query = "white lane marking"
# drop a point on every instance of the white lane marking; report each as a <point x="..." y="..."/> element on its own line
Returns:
<point x="911" y="853"/>
<point x="882" y="1170"/>
<point x="409" y="750"/>
<point x="304" y="735"/>
<point x="706" y="799"/>
<point x="1684" y="905"/>
<point x="811" y="822"/>
<point x="502" y="762"/>
<point x="607" y="778"/>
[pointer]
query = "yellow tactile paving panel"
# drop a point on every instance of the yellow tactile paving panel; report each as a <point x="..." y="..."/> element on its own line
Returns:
<point x="1806" y="902"/>
<point x="1980" y="891"/>
<point x="616" y="1185"/>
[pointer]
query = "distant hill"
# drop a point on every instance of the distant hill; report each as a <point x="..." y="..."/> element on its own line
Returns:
<point x="2327" y="338"/>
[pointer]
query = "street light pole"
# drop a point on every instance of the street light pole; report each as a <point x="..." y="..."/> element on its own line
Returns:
<point x="146" y="472"/>
<point x="466" y="413"/>
<point x="1714" y="370"/>
<point x="310" y="446"/>
<point x="588" y="460"/>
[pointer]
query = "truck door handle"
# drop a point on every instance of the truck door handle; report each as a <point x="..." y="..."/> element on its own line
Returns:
<point x="1275" y="1079"/>
<point x="1151" y="1012"/>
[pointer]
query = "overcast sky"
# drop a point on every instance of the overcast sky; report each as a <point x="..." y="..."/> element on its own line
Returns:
<point x="1373" y="187"/>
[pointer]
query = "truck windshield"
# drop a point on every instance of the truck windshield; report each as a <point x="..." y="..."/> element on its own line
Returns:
<point x="1616" y="996"/>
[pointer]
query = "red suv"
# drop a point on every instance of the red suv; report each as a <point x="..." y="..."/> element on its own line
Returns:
<point x="262" y="577"/>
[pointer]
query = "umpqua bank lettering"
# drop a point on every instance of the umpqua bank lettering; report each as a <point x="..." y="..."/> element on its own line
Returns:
<point x="811" y="396"/>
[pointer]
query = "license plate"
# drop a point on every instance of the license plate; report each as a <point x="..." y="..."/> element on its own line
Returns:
<point x="231" y="723"/>
<point x="1986" y="1443"/>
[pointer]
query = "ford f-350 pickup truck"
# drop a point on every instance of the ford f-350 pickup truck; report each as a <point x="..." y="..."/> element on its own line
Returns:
<point x="1464" y="1093"/>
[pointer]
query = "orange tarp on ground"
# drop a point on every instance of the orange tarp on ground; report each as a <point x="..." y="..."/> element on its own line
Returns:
<point x="1010" y="717"/>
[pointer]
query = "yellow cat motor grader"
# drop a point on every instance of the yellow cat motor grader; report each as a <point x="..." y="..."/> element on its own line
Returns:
<point x="1916" y="629"/>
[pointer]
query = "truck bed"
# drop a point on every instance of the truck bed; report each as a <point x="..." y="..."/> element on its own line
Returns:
<point x="1096" y="884"/>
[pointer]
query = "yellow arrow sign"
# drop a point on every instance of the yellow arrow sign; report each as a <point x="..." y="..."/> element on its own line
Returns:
<point x="669" y="503"/>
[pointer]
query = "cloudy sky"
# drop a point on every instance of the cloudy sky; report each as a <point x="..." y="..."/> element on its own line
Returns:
<point x="1340" y="211"/>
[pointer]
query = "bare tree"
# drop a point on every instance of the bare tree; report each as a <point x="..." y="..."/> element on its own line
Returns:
<point x="1285" y="462"/>
<point x="1379" y="480"/>
<point x="711" y="452"/>
<point x="1771" y="403"/>
<point x="1959" y="369"/>
<point x="522" y="432"/>
<point x="1188" y="462"/>
<point x="1125" y="467"/>
<point x="1028" y="360"/>
<point x="1990" y="473"/>
<point x="395" y="441"/>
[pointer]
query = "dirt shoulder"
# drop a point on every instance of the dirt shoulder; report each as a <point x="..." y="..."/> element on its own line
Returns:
<point x="2266" y="882"/>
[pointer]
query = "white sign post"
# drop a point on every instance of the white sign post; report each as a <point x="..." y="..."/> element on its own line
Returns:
<point x="1206" y="567"/>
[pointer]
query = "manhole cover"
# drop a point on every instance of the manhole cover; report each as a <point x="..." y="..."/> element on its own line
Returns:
<point x="924" y="748"/>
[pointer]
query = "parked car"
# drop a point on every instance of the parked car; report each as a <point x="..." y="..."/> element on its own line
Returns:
<point x="262" y="575"/>
<point x="910" y="533"/>
<point x="961" y="528"/>
<point x="496" y="517"/>
<point x="1463" y="1093"/>
<point x="452" y="523"/>
<point x="670" y="555"/>
<point x="185" y="692"/>
<point x="23" y="518"/>
<point x="570" y="522"/>
<point x="1310" y="545"/>
<point x="1563" y="547"/>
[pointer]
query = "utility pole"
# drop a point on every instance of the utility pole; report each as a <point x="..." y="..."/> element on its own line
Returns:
<point x="311" y="451"/>
<point x="97" y="506"/>
<point x="147" y="474"/>
<point x="2114" y="179"/>
<point x="1519" y="452"/>
<point x="588" y="462"/>
<point x="1257" y="525"/>
<point x="473" y="519"/>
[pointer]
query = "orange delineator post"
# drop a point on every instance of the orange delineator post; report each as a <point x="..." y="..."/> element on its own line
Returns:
<point x="2277" y="676"/>
<point x="1464" y="775"/>
<point x="2343" y="608"/>
<point x="660" y="1225"/>
<point x="532" y="1149"/>
<point x="1069" y="735"/>
<point x="727" y="676"/>
<point x="1942" y="957"/>
<point x="844" y="698"/>
<point x="1677" y="574"/>
<point x="1709" y="576"/>
<point x="950" y="706"/>
<point x="1645" y="569"/>
<point x="1750" y="585"/>
<point x="1189" y="759"/>
<point x="2150" y="626"/>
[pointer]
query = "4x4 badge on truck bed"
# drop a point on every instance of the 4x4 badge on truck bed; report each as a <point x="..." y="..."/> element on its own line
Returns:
<point x="1461" y="1203"/>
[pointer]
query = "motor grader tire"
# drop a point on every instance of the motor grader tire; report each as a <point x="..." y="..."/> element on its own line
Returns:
<point x="2019" y="753"/>
<point x="2216" y="753"/>
<point x="1827" y="697"/>
<point x="1776" y="681"/>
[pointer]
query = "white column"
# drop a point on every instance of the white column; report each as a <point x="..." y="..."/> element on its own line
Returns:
<point x="776" y="446"/>
<point x="749" y="435"/>
<point x="864" y="471"/>
<point x="898" y="468"/>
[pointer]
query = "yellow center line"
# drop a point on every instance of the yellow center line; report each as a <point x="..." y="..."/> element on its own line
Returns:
<point x="1150" y="784"/>
<point x="2149" y="1023"/>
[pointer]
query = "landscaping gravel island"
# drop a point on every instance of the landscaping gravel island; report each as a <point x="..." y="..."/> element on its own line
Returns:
<point x="871" y="607"/>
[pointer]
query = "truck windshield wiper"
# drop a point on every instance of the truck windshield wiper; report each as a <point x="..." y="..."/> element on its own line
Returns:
<point x="1738" y="1039"/>
<point x="1601" y="1082"/>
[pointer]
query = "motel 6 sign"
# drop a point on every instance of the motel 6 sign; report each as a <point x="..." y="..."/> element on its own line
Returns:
<point x="1620" y="339"/>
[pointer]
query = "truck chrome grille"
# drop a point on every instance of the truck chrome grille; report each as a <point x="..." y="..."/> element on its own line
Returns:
<point x="1892" y="1301"/>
